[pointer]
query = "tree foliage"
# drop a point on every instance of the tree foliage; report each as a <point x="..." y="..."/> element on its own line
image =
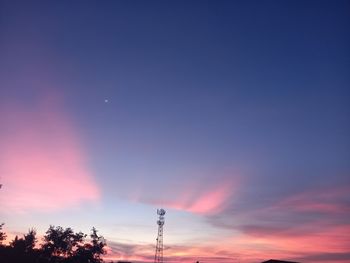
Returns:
<point x="58" y="245"/>
<point x="2" y="234"/>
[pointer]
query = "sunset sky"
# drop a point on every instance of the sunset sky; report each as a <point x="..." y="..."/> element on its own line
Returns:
<point x="231" y="115"/>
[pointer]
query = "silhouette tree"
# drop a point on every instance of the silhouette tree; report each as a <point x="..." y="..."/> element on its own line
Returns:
<point x="18" y="244"/>
<point x="59" y="246"/>
<point x="22" y="249"/>
<point x="61" y="243"/>
<point x="98" y="244"/>
<point x="92" y="252"/>
<point x="25" y="244"/>
<point x="2" y="234"/>
<point x="30" y="240"/>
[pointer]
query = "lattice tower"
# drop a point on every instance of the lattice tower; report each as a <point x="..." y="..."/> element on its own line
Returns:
<point x="158" y="258"/>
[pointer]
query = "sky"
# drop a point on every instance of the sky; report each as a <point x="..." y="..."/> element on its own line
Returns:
<point x="233" y="116"/>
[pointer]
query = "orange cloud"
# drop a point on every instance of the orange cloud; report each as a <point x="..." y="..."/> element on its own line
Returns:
<point x="42" y="163"/>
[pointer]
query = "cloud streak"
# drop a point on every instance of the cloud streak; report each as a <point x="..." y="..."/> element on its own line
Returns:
<point x="172" y="253"/>
<point x="200" y="197"/>
<point x="302" y="227"/>
<point x="206" y="202"/>
<point x="43" y="164"/>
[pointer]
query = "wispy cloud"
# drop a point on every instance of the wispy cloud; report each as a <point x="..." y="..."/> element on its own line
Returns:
<point x="172" y="253"/>
<point x="326" y="257"/>
<point x="305" y="224"/>
<point x="196" y="196"/>
<point x="209" y="201"/>
<point x="321" y="201"/>
<point x="43" y="164"/>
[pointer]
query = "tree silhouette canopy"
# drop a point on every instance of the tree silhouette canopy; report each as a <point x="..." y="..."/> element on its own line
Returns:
<point x="2" y="234"/>
<point x="58" y="245"/>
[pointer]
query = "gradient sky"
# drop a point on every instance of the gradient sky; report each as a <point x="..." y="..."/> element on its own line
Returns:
<point x="231" y="115"/>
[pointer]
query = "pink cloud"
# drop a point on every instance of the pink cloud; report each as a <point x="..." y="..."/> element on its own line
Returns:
<point x="173" y="253"/>
<point x="199" y="197"/>
<point x="43" y="165"/>
<point x="282" y="230"/>
<point x="290" y="229"/>
<point x="206" y="202"/>
<point x="319" y="201"/>
<point x="331" y="240"/>
<point x="195" y="191"/>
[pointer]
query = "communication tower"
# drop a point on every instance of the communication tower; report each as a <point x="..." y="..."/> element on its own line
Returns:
<point x="158" y="258"/>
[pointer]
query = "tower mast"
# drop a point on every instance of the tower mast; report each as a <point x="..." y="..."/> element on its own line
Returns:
<point x="158" y="258"/>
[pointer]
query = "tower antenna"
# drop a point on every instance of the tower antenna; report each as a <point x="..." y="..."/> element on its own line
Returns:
<point x="158" y="258"/>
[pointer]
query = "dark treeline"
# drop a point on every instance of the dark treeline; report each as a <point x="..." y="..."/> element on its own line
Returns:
<point x="58" y="245"/>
